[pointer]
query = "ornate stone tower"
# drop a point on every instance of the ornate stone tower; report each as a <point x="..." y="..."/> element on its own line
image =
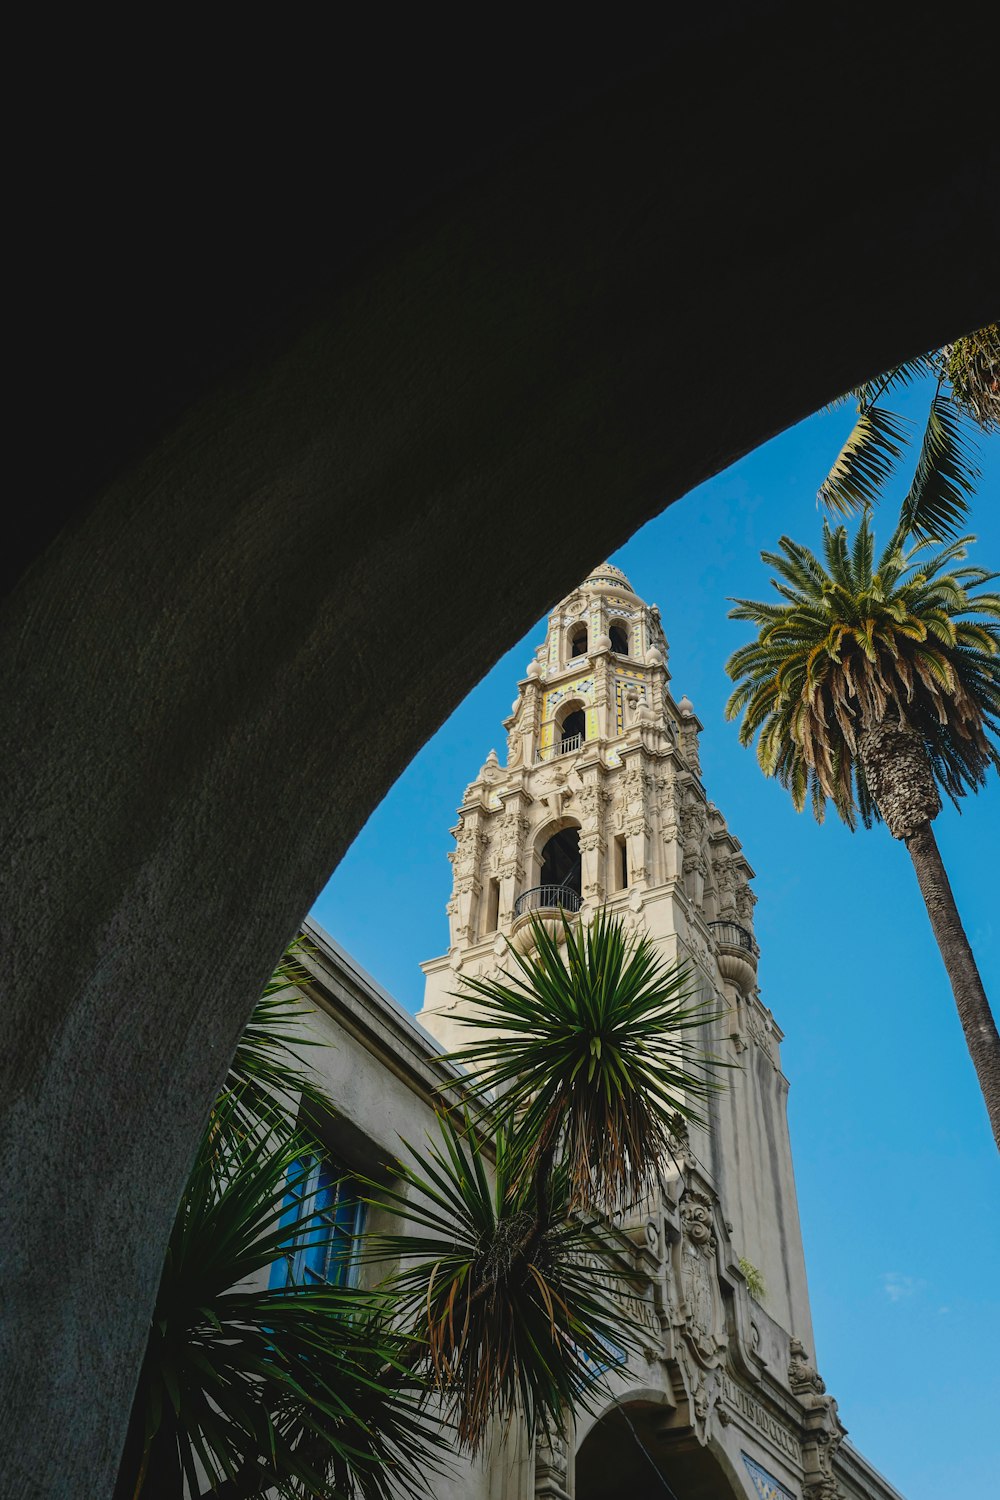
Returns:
<point x="601" y="803"/>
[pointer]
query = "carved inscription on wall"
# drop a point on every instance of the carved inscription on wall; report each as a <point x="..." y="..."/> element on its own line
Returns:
<point x="741" y="1401"/>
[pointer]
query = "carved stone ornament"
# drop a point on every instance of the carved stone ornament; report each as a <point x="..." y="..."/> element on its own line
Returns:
<point x="760" y="1031"/>
<point x="491" y="768"/>
<point x="745" y="902"/>
<point x="551" y="1467"/>
<point x="702" y="1300"/>
<point x="823" y="1430"/>
<point x="803" y="1377"/>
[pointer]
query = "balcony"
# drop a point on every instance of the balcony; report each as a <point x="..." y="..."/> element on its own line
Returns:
<point x="736" y="955"/>
<point x="565" y="746"/>
<point x="548" y="898"/>
<point x="731" y="935"/>
<point x="551" y="904"/>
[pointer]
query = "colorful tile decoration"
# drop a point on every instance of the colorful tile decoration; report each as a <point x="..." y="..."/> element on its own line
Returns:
<point x="582" y="687"/>
<point x="592" y="723"/>
<point x="635" y="679"/>
<point x="765" y="1484"/>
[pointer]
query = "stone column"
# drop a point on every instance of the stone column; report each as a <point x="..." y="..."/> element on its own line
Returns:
<point x="465" y="859"/>
<point x="551" y="1469"/>
<point x="604" y="688"/>
<point x="635" y="804"/>
<point x="593" y="844"/>
<point x="508" y="838"/>
<point x="693" y="820"/>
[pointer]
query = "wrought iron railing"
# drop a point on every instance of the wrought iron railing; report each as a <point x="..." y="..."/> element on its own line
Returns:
<point x="565" y="746"/>
<point x="731" y="935"/>
<point x="548" y="898"/>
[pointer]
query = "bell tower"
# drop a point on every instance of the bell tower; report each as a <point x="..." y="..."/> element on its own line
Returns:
<point x="600" y="802"/>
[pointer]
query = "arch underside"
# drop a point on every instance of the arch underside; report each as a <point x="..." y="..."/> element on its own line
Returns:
<point x="629" y="1453"/>
<point x="597" y="307"/>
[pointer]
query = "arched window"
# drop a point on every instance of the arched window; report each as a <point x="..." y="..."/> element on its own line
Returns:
<point x="561" y="861"/>
<point x="619" y="639"/>
<point x="578" y="641"/>
<point x="572" y="731"/>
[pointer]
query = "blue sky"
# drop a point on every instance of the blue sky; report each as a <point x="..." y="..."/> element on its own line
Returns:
<point x="898" y="1180"/>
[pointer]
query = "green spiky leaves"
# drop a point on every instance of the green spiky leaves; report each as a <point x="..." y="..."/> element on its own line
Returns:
<point x="292" y="1390"/>
<point x="514" y="1278"/>
<point x="945" y="477"/>
<point x="592" y="1045"/>
<point x="514" y="1296"/>
<point x="865" y="462"/>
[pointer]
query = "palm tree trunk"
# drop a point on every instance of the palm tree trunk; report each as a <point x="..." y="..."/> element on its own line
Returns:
<point x="966" y="985"/>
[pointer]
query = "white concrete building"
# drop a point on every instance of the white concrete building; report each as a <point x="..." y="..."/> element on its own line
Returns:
<point x="601" y="802"/>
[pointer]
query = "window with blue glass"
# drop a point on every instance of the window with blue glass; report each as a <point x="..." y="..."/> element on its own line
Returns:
<point x="324" y="1215"/>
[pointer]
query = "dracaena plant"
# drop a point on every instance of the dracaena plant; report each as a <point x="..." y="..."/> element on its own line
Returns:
<point x="514" y="1279"/>
<point x="514" y="1299"/>
<point x="592" y="1044"/>
<point x="507" y="1292"/>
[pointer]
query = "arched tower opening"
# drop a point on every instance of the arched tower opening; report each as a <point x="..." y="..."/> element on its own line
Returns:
<point x="619" y="637"/>
<point x="560" y="862"/>
<point x="578" y="640"/>
<point x="572" y="728"/>
<point x="628" y="1452"/>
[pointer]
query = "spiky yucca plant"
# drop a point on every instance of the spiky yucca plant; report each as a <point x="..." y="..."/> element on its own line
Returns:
<point x="296" y="1391"/>
<point x="590" y="1045"/>
<point x="874" y="682"/>
<point x="505" y="1299"/>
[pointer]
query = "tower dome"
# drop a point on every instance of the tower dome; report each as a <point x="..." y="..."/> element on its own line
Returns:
<point x="609" y="577"/>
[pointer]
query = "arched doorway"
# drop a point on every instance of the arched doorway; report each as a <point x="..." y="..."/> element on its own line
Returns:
<point x="628" y="1452"/>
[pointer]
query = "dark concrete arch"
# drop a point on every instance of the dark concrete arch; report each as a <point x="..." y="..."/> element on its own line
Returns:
<point x="601" y="297"/>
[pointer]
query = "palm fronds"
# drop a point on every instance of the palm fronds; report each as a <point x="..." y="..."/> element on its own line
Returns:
<point x="590" y="1046"/>
<point x="857" y="640"/>
<point x="945" y="476"/>
<point x="937" y="500"/>
<point x="267" y="1077"/>
<point x="867" y="459"/>
<point x="277" y="1389"/>
<point x="968" y="388"/>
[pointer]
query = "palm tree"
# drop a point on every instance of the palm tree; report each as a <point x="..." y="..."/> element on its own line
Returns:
<point x="967" y="393"/>
<point x="875" y="682"/>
